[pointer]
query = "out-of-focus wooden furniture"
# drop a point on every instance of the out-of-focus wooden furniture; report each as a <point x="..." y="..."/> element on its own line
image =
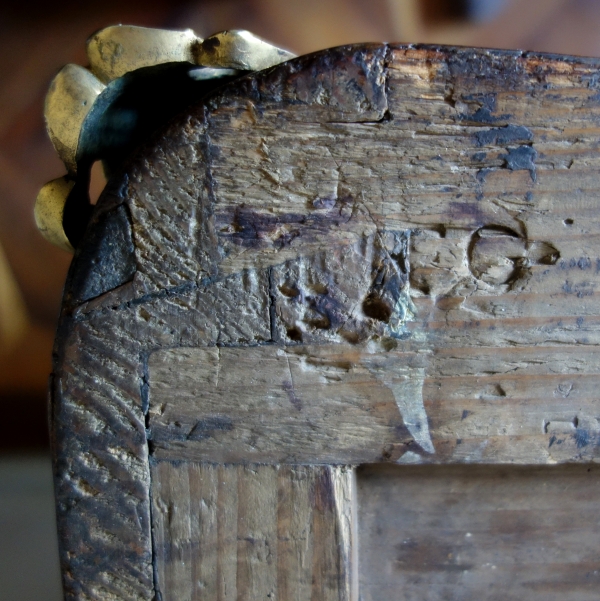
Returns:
<point x="380" y="254"/>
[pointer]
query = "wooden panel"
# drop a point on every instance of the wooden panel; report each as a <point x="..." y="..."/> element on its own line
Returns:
<point x="327" y="404"/>
<point x="253" y="532"/>
<point x="355" y="404"/>
<point x="472" y="533"/>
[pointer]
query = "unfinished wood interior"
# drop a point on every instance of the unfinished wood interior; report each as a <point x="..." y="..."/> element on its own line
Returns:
<point x="470" y="533"/>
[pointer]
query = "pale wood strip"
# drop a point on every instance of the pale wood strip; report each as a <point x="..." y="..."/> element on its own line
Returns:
<point x="180" y="537"/>
<point x="562" y="320"/>
<point x="160" y="525"/>
<point x="227" y="524"/>
<point x="203" y="481"/>
<point x="295" y="532"/>
<point x="527" y="449"/>
<point x="257" y="534"/>
<point x="336" y="487"/>
<point x="173" y="539"/>
<point x="555" y="391"/>
<point x="526" y="360"/>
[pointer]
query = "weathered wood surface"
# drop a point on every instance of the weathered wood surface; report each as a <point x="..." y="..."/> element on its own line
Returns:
<point x="493" y="533"/>
<point x="253" y="532"/>
<point x="343" y="405"/>
<point x="436" y="207"/>
<point x="318" y="405"/>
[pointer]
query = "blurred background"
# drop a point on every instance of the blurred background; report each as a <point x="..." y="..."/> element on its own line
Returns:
<point x="36" y="39"/>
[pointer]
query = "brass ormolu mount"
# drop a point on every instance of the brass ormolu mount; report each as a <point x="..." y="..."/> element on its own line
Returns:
<point x="103" y="112"/>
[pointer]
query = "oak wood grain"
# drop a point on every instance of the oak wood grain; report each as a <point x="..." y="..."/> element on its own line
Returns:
<point x="253" y="532"/>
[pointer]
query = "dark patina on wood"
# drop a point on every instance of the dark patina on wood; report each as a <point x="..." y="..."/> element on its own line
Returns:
<point x="415" y="229"/>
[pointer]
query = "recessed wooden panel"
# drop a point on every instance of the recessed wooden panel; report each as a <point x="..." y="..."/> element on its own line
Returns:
<point x="479" y="533"/>
<point x="250" y="533"/>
